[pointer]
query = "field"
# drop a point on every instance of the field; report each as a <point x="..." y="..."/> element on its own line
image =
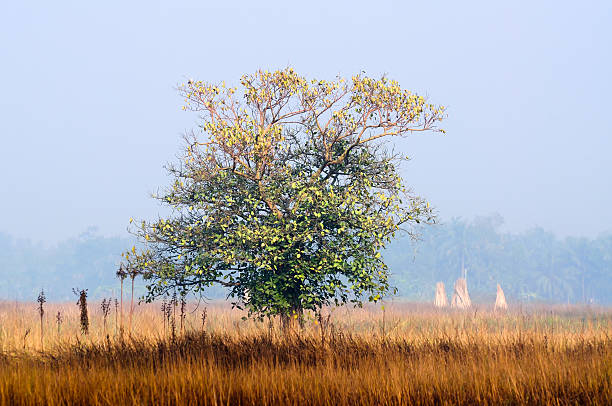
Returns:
<point x="400" y="354"/>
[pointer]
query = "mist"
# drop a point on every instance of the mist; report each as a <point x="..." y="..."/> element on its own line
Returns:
<point x="534" y="266"/>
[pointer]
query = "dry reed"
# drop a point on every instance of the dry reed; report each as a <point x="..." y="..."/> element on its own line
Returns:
<point x="416" y="354"/>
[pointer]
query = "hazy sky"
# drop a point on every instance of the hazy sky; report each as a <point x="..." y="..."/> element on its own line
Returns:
<point x="89" y="113"/>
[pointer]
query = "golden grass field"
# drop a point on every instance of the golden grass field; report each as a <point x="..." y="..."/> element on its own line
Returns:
<point x="404" y="354"/>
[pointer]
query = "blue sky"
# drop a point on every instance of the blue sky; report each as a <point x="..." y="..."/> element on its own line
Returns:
<point x="89" y="113"/>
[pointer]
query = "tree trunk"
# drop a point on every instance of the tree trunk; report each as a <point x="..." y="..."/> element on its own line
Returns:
<point x="291" y="320"/>
<point x="287" y="324"/>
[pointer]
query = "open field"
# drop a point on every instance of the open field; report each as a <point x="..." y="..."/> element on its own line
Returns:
<point x="404" y="354"/>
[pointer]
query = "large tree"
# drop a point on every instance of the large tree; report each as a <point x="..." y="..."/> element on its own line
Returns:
<point x="287" y="192"/>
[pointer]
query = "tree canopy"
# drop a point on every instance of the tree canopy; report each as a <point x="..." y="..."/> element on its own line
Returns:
<point x="287" y="191"/>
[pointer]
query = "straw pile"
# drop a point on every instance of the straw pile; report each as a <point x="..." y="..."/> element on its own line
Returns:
<point x="440" y="300"/>
<point x="461" y="298"/>
<point x="500" y="301"/>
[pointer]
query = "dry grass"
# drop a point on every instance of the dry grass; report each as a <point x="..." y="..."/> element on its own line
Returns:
<point x="406" y="354"/>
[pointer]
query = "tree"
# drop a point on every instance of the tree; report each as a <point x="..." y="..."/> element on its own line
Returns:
<point x="287" y="192"/>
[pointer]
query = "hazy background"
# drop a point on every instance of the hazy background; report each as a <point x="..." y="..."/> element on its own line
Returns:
<point x="89" y="113"/>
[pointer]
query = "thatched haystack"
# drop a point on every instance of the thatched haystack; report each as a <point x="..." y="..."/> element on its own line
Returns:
<point x="461" y="297"/>
<point x="440" y="300"/>
<point x="500" y="301"/>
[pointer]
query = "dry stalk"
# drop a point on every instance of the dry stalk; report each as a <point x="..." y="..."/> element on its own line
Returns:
<point x="121" y="274"/>
<point x="203" y="317"/>
<point x="82" y="303"/>
<point x="183" y="308"/>
<point x="58" y="320"/>
<point x="25" y="336"/>
<point x="41" y="311"/>
<point x="116" y="311"/>
<point x="105" y="307"/>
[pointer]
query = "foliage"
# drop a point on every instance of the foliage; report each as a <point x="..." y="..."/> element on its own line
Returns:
<point x="287" y="194"/>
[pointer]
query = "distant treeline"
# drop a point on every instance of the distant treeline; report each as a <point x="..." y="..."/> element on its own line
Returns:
<point x="88" y="261"/>
<point x="530" y="266"/>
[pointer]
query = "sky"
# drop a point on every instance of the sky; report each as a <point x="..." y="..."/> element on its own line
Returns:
<point x="89" y="112"/>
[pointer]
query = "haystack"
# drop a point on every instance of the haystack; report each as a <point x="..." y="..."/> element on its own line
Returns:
<point x="461" y="298"/>
<point x="440" y="300"/>
<point x="500" y="301"/>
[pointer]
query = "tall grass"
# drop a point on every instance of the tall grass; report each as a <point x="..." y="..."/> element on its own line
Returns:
<point x="408" y="354"/>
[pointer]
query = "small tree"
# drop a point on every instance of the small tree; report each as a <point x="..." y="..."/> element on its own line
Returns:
<point x="288" y="192"/>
